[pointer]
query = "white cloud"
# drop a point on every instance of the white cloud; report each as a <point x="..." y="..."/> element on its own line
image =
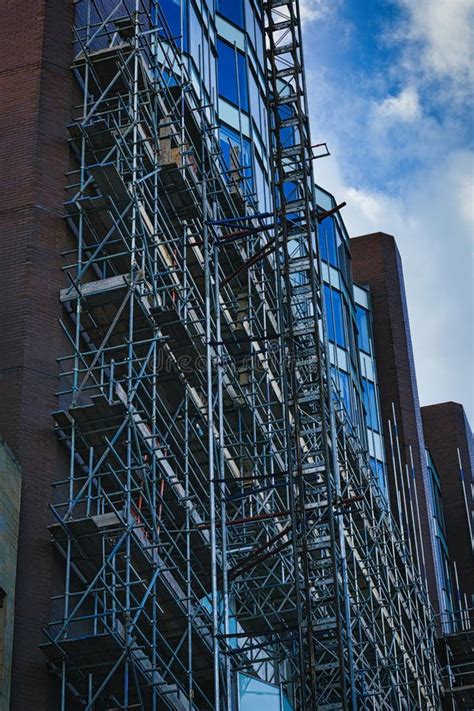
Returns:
<point x="405" y="107"/>
<point x="311" y="10"/>
<point x="445" y="30"/>
<point x="461" y="183"/>
<point x="402" y="164"/>
<point x="436" y="42"/>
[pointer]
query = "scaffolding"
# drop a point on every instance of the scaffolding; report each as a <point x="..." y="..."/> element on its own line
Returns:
<point x="455" y="647"/>
<point x="218" y="517"/>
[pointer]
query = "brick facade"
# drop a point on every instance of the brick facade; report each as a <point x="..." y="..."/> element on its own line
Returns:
<point x="377" y="264"/>
<point x="446" y="431"/>
<point x="35" y="90"/>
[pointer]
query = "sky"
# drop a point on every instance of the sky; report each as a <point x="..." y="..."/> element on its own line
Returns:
<point x="390" y="85"/>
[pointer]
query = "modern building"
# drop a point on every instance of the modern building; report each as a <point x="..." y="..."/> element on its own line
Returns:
<point x="453" y="553"/>
<point x="370" y="388"/>
<point x="444" y="565"/>
<point x="448" y="437"/>
<point x="431" y="446"/>
<point x="204" y="519"/>
<point x="377" y="265"/>
<point x="10" y="493"/>
<point x="349" y="331"/>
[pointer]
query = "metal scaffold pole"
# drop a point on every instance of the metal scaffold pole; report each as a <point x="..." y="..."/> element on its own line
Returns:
<point x="218" y="525"/>
<point x="295" y="218"/>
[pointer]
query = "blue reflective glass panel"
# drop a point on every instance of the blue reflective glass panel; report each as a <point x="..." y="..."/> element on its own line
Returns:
<point x="171" y="9"/>
<point x="287" y="133"/>
<point x="228" y="139"/>
<point x="206" y="604"/>
<point x="370" y="403"/>
<point x="335" y="316"/>
<point x="195" y="37"/>
<point x="362" y="318"/>
<point x="255" y="101"/>
<point x="259" y="43"/>
<point x="345" y="387"/>
<point x="233" y="146"/>
<point x="256" y="695"/>
<point x="328" y="241"/>
<point x="232" y="70"/>
<point x="233" y="10"/>
<point x="261" y="186"/>
<point x="379" y="471"/>
<point x="200" y="51"/>
<point x="342" y="385"/>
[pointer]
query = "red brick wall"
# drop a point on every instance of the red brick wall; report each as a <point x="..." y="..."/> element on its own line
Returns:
<point x="446" y="430"/>
<point x="376" y="263"/>
<point x="35" y="91"/>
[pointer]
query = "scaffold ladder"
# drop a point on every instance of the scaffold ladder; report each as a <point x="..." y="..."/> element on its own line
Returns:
<point x="324" y="638"/>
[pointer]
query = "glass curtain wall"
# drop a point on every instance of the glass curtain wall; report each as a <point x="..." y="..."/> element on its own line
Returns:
<point x="444" y="575"/>
<point x="224" y="48"/>
<point x="242" y="110"/>
<point x="350" y="339"/>
<point x="370" y="390"/>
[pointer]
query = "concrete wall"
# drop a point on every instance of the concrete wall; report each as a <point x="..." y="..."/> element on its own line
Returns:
<point x="10" y="492"/>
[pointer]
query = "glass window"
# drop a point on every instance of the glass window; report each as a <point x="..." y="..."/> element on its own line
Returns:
<point x="232" y="70"/>
<point x="378" y="470"/>
<point x="327" y="241"/>
<point x="255" y="102"/>
<point x="438" y="506"/>
<point x="232" y="10"/>
<point x="237" y="154"/>
<point x="257" y="695"/>
<point x="370" y="403"/>
<point x="200" y="51"/>
<point x="342" y="383"/>
<point x="345" y="387"/>
<point x="335" y="316"/>
<point x="206" y="604"/>
<point x="259" y="43"/>
<point x="213" y="77"/>
<point x="363" y="339"/>
<point x="171" y="12"/>
<point x="287" y="133"/>
<point x="291" y="191"/>
<point x="261" y="186"/>
<point x="249" y="19"/>
<point x="343" y="257"/>
<point x="195" y="37"/>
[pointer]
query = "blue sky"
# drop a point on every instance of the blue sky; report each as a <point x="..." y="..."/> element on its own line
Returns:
<point x="390" y="86"/>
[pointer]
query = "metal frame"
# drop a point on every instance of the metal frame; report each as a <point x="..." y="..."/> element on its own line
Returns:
<point x="218" y="515"/>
